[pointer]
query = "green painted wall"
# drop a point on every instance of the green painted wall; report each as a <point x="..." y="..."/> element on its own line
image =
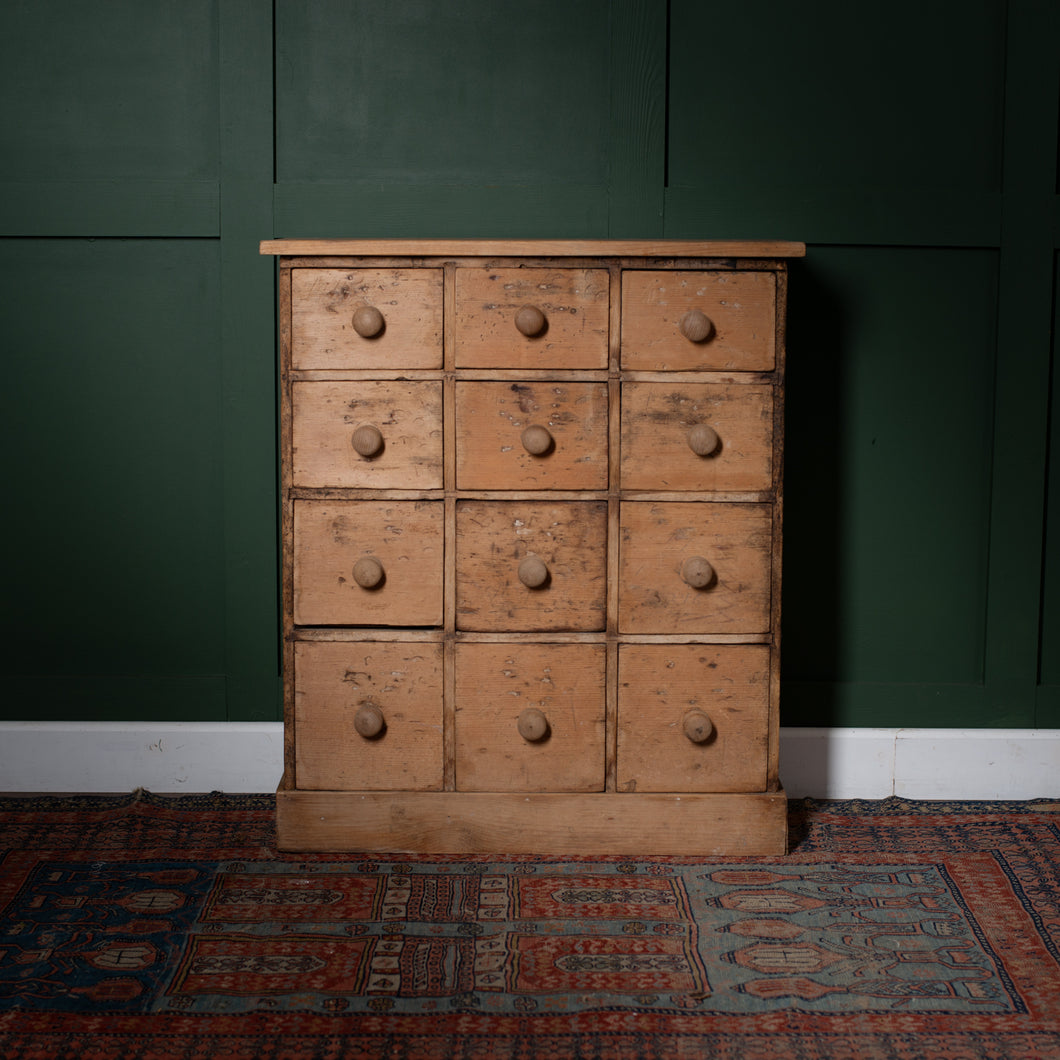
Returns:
<point x="149" y="147"/>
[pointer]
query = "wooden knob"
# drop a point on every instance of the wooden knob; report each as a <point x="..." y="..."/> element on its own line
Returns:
<point x="697" y="572"/>
<point x="368" y="572"/>
<point x="696" y="326"/>
<point x="537" y="440"/>
<point x="369" y="721"/>
<point x="703" y="439"/>
<point x="530" y="321"/>
<point x="533" y="725"/>
<point x="368" y="321"/>
<point x="532" y="572"/>
<point x="368" y="440"/>
<point x="697" y="726"/>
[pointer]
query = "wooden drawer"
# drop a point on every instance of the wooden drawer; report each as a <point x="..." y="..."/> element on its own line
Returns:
<point x="659" y="541"/>
<point x="386" y="435"/>
<point x="697" y="436"/>
<point x="342" y="690"/>
<point x="573" y="307"/>
<point x="739" y="306"/>
<point x="324" y="331"/>
<point x="662" y="688"/>
<point x="531" y="435"/>
<point x="405" y="540"/>
<point x="530" y="717"/>
<point x="494" y="538"/>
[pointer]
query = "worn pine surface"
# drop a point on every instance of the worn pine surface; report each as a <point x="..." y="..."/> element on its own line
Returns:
<point x="408" y="414"/>
<point x="658" y="684"/>
<point x="404" y="536"/>
<point x="490" y="420"/>
<point x="535" y="248"/>
<point x="493" y="537"/>
<point x="657" y="538"/>
<point x="574" y="302"/>
<point x="403" y="681"/>
<point x="657" y="419"/>
<point x="495" y="683"/>
<point x="750" y="824"/>
<point x="741" y="305"/>
<point x="323" y="304"/>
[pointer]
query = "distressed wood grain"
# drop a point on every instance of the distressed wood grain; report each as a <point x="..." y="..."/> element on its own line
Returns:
<point x="659" y="684"/>
<point x="496" y="683"/>
<point x="408" y="415"/>
<point x="324" y="301"/>
<point x="493" y="538"/>
<point x="574" y="303"/>
<point x="490" y="421"/>
<point x="331" y="536"/>
<point x="403" y="682"/>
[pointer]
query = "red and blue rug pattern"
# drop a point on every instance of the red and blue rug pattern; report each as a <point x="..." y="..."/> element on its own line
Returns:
<point x="155" y="927"/>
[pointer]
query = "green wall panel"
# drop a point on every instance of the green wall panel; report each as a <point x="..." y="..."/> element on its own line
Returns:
<point x="896" y="95"/>
<point x="111" y="424"/>
<point x="912" y="146"/>
<point x="116" y="90"/>
<point x="1048" y="714"/>
<point x="890" y="371"/>
<point x="458" y="93"/>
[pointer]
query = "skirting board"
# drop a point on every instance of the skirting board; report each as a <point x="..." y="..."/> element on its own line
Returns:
<point x="167" y="757"/>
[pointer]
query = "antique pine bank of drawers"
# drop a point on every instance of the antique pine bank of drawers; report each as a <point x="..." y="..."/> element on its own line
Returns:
<point x="531" y="518"/>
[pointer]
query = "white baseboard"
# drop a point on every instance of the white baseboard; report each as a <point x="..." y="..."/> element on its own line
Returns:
<point x="166" y="757"/>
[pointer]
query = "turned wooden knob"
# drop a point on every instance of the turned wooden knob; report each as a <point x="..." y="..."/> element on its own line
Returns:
<point x="368" y="321"/>
<point x="703" y="439"/>
<point x="532" y="572"/>
<point x="537" y="440"/>
<point x="533" y="725"/>
<point x="696" y="326"/>
<point x="369" y="721"/>
<point x="368" y="440"/>
<point x="697" y="726"/>
<point x="530" y="321"/>
<point x="697" y="572"/>
<point x="368" y="572"/>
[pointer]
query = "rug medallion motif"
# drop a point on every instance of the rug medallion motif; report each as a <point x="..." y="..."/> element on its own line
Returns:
<point x="956" y="934"/>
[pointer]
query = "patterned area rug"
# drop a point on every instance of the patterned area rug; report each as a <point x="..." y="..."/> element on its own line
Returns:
<point x="152" y="927"/>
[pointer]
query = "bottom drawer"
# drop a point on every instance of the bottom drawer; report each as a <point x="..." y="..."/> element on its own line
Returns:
<point x="666" y="690"/>
<point x="343" y="691"/>
<point x="530" y="717"/>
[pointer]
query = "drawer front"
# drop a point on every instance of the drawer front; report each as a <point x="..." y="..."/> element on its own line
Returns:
<point x="532" y="435"/>
<point x="568" y="329"/>
<point x="697" y="436"/>
<point x="386" y="435"/>
<point x="729" y="321"/>
<point x="666" y="588"/>
<point x="531" y="566"/>
<point x="368" y="716"/>
<point x="366" y="318"/>
<point x="664" y="693"/>
<point x="530" y="717"/>
<point x="368" y="563"/>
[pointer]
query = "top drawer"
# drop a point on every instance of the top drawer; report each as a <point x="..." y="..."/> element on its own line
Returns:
<point x="532" y="318"/>
<point x="691" y="321"/>
<point x="366" y="318"/>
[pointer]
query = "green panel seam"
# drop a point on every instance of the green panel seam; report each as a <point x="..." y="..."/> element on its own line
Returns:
<point x="1024" y="327"/>
<point x="248" y="329"/>
<point x="110" y="208"/>
<point x="638" y="119"/>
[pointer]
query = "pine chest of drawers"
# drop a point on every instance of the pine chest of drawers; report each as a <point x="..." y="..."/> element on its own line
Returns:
<point x="531" y="521"/>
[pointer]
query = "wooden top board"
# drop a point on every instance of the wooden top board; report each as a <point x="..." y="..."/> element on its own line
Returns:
<point x="660" y="248"/>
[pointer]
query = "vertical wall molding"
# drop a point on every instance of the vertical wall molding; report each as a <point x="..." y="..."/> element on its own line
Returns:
<point x="1024" y="327"/>
<point x="248" y="357"/>
<point x="638" y="119"/>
